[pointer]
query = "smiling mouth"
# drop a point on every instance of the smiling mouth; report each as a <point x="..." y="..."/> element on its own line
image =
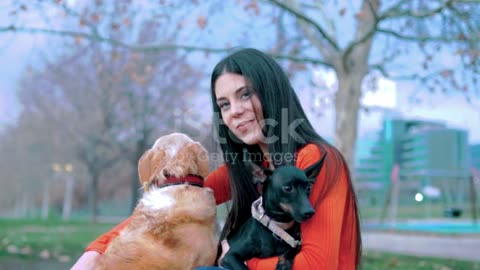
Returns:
<point x="243" y="125"/>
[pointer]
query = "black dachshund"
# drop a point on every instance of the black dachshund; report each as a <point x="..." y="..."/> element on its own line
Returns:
<point x="283" y="205"/>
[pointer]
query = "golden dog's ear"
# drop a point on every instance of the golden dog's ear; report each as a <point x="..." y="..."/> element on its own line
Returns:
<point x="202" y="159"/>
<point x="144" y="168"/>
<point x="150" y="166"/>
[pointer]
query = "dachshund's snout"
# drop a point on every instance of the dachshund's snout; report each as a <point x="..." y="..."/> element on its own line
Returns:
<point x="308" y="213"/>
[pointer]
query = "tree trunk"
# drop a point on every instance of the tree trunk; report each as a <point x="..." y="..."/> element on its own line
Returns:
<point x="92" y="197"/>
<point x="141" y="147"/>
<point x="347" y="104"/>
<point x="67" y="200"/>
<point x="135" y="185"/>
<point x="46" y="199"/>
<point x="351" y="68"/>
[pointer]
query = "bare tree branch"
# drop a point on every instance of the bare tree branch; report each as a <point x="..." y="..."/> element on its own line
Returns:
<point x="297" y="59"/>
<point x="111" y="41"/>
<point x="303" y="17"/>
<point x="396" y="12"/>
<point x="367" y="36"/>
<point x="414" y="38"/>
<point x="148" y="48"/>
<point x="381" y="69"/>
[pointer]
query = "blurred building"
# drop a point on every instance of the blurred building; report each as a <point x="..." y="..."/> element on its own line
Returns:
<point x="425" y="153"/>
<point x="475" y="156"/>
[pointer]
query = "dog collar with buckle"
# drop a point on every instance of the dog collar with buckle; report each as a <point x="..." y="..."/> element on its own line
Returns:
<point x="258" y="213"/>
<point x="191" y="179"/>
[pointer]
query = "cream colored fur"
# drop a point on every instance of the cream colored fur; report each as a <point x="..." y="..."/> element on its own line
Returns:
<point x="172" y="227"/>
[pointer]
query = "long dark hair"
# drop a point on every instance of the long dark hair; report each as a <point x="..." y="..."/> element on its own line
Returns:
<point x="281" y="105"/>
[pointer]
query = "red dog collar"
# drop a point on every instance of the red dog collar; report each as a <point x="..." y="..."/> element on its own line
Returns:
<point x="191" y="179"/>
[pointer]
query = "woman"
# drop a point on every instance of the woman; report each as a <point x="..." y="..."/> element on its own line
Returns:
<point x="259" y="117"/>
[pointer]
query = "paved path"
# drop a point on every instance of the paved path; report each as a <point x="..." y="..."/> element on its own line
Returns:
<point x="465" y="247"/>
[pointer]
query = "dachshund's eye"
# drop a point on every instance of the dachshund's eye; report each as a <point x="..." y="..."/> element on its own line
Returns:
<point x="287" y="188"/>
<point x="309" y="188"/>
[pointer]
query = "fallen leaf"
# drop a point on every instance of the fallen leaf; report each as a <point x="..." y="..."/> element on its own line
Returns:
<point x="44" y="254"/>
<point x="393" y="262"/>
<point x="63" y="258"/>
<point x="5" y="241"/>
<point x="27" y="250"/>
<point x="12" y="249"/>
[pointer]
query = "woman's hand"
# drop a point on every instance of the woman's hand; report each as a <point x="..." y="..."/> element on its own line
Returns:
<point x="225" y="249"/>
<point x="87" y="261"/>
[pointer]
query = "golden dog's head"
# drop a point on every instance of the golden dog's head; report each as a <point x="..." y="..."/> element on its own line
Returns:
<point x="173" y="155"/>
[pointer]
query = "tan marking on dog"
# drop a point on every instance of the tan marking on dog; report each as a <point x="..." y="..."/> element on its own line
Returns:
<point x="286" y="208"/>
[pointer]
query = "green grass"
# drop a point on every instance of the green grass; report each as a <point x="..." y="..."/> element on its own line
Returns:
<point x="51" y="239"/>
<point x="418" y="211"/>
<point x="382" y="261"/>
<point x="27" y="241"/>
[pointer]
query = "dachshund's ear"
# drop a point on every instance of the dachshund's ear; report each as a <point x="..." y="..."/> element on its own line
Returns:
<point x="313" y="170"/>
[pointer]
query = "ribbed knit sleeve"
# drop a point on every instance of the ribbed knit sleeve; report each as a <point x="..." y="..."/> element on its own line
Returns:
<point x="101" y="243"/>
<point x="218" y="182"/>
<point x="329" y="237"/>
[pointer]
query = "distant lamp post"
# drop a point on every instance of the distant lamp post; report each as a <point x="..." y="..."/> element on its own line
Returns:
<point x="67" y="167"/>
<point x="65" y="170"/>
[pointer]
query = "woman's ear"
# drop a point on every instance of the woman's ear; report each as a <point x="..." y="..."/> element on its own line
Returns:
<point x="313" y="170"/>
<point x="259" y="174"/>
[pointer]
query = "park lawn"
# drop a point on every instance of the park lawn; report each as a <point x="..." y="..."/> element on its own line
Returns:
<point x="47" y="239"/>
<point x="383" y="261"/>
<point x="413" y="212"/>
<point x="36" y="241"/>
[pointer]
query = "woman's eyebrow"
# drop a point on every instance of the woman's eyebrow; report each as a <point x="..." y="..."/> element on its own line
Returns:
<point x="241" y="88"/>
<point x="221" y="99"/>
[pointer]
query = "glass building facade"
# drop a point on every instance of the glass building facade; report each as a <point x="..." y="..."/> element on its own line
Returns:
<point x="426" y="154"/>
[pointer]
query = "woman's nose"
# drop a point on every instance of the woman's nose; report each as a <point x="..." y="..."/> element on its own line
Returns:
<point x="237" y="108"/>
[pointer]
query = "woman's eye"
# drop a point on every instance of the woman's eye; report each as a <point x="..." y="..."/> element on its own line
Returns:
<point x="223" y="106"/>
<point x="287" y="188"/>
<point x="246" y="95"/>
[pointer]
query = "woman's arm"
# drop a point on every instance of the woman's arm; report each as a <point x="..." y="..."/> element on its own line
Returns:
<point x="87" y="261"/>
<point x="324" y="235"/>
<point x="217" y="180"/>
<point x="101" y="243"/>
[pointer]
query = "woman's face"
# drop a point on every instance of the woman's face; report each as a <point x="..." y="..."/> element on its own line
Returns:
<point x="240" y="108"/>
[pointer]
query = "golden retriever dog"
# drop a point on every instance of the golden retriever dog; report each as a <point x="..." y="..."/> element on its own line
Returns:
<point x="173" y="225"/>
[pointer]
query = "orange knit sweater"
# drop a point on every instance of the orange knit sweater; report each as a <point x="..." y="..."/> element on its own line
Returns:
<point x="329" y="238"/>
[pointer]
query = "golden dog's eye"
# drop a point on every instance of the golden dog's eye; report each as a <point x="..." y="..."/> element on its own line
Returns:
<point x="287" y="188"/>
